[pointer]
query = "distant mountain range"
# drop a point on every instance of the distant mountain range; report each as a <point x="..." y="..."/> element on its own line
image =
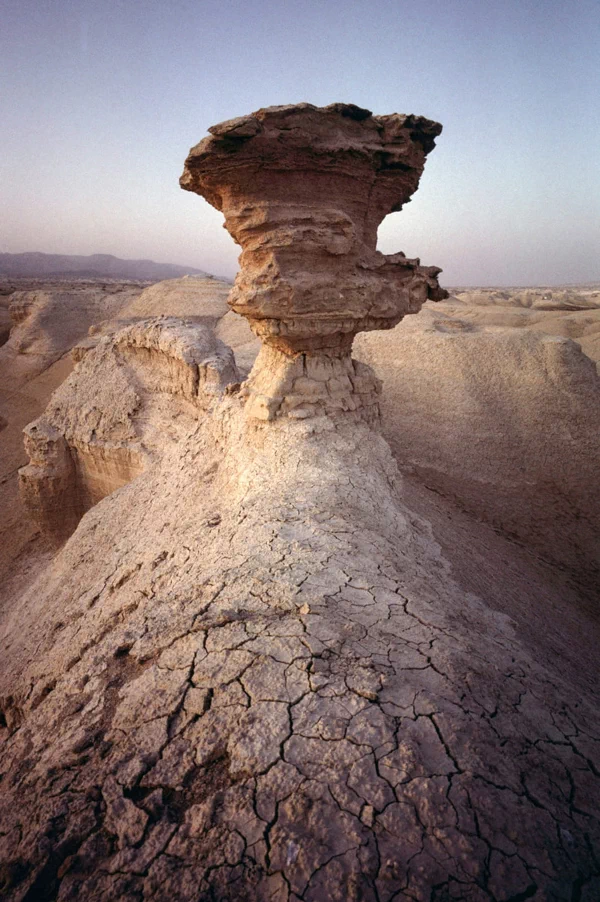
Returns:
<point x="96" y="266"/>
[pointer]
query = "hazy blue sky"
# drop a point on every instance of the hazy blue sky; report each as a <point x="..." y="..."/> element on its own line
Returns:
<point x="101" y="100"/>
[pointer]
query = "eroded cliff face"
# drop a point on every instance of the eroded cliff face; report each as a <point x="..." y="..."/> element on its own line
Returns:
<point x="46" y="323"/>
<point x="101" y="428"/>
<point x="252" y="674"/>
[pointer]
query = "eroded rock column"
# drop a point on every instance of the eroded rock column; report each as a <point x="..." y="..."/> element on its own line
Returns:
<point x="303" y="190"/>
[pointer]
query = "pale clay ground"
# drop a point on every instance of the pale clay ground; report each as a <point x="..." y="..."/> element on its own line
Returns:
<point x="270" y="667"/>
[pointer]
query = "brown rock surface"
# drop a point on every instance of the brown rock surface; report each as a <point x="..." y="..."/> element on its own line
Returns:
<point x="303" y="190"/>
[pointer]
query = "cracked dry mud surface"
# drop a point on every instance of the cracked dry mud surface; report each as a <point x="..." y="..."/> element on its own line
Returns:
<point x="250" y="674"/>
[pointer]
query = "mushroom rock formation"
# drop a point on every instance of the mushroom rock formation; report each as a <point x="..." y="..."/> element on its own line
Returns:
<point x="254" y="673"/>
<point x="303" y="190"/>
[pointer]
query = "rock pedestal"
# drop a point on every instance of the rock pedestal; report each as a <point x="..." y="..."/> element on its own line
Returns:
<point x="303" y="190"/>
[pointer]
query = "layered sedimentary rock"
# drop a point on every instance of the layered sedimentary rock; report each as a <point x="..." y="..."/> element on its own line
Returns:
<point x="105" y="423"/>
<point x="59" y="321"/>
<point x="303" y="190"/>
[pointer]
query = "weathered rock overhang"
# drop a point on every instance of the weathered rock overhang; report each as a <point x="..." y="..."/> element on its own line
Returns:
<point x="303" y="190"/>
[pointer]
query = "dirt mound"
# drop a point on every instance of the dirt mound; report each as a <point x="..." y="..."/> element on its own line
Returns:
<point x="254" y="660"/>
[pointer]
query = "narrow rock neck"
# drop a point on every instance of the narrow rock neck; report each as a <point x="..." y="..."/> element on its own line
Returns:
<point x="312" y="384"/>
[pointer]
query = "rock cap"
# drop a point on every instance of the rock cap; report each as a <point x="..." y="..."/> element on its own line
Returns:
<point x="303" y="190"/>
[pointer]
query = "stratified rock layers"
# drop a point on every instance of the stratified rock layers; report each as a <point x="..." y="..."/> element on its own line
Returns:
<point x="250" y="675"/>
<point x="303" y="190"/>
<point x="96" y="434"/>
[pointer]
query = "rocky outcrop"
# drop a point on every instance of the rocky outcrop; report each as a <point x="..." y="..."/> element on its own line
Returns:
<point x="303" y="190"/>
<point x="191" y="298"/>
<point x="102" y="429"/>
<point x="58" y="323"/>
<point x="253" y="673"/>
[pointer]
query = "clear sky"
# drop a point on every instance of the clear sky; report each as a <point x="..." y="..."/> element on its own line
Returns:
<point x="100" y="101"/>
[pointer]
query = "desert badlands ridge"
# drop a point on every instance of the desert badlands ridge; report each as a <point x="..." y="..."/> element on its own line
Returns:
<point x="300" y="589"/>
